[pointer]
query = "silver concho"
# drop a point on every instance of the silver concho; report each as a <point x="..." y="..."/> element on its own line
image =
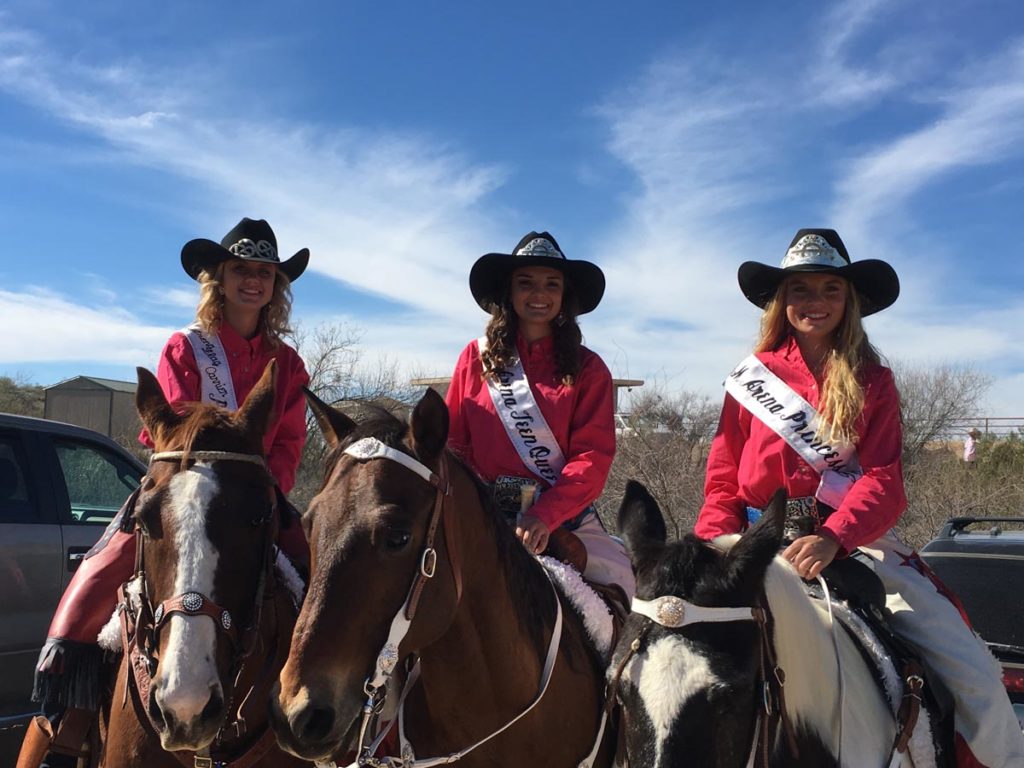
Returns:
<point x="266" y="249"/>
<point x="388" y="658"/>
<point x="225" y="620"/>
<point x="159" y="615"/>
<point x="539" y="246"/>
<point x="408" y="756"/>
<point x="192" y="601"/>
<point x="244" y="248"/>
<point x="671" y="611"/>
<point x="367" y="448"/>
<point x="813" y="249"/>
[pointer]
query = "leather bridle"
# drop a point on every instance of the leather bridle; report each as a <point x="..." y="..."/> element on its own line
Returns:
<point x="674" y="612"/>
<point x="141" y="624"/>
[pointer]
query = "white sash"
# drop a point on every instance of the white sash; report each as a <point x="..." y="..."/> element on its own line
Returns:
<point x="212" y="364"/>
<point x="793" y="419"/>
<point x="524" y="423"/>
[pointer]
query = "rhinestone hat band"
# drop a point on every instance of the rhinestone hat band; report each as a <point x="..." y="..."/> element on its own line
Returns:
<point x="540" y="247"/>
<point x="247" y="249"/>
<point x="813" y="249"/>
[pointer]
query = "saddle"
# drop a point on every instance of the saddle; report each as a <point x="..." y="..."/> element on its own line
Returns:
<point x="853" y="581"/>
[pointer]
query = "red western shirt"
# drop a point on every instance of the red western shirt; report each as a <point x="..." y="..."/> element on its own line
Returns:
<point x="748" y="462"/>
<point x="581" y="418"/>
<point x="247" y="359"/>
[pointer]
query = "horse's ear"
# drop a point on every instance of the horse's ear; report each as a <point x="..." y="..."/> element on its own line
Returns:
<point x="640" y="521"/>
<point x="333" y="423"/>
<point x="754" y="552"/>
<point x="156" y="414"/>
<point x="429" y="426"/>
<point x="254" y="414"/>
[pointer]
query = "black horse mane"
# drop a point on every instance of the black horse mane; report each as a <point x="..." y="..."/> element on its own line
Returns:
<point x="529" y="588"/>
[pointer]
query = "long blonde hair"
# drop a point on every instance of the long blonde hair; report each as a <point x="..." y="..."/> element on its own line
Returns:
<point x="842" y="396"/>
<point x="273" y="317"/>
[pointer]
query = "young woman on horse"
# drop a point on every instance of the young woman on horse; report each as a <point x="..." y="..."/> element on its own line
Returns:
<point x="243" y="313"/>
<point x="532" y="409"/>
<point x="813" y="410"/>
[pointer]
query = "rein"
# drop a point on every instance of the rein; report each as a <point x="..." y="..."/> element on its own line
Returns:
<point x="140" y="631"/>
<point x="375" y="686"/>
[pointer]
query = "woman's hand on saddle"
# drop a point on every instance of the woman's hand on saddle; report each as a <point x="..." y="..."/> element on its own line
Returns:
<point x="534" y="533"/>
<point x="810" y="554"/>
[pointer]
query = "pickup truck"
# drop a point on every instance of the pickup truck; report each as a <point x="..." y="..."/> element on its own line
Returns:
<point x="60" y="485"/>
<point x="982" y="560"/>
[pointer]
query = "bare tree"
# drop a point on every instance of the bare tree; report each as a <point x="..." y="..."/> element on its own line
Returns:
<point x="663" y="442"/>
<point x="935" y="401"/>
<point x="340" y="376"/>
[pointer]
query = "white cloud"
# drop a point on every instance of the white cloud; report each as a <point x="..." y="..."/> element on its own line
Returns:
<point x="41" y="326"/>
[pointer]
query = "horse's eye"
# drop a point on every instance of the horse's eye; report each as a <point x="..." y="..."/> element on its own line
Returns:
<point x="396" y="539"/>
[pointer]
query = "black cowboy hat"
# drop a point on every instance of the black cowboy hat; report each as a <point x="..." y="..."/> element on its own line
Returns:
<point x="489" y="277"/>
<point x="821" y="250"/>
<point x="250" y="240"/>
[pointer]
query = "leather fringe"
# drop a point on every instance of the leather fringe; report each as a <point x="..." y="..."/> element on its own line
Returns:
<point x="69" y="674"/>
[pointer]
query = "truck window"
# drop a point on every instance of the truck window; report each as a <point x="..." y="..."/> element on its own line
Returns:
<point x="16" y="502"/>
<point x="97" y="479"/>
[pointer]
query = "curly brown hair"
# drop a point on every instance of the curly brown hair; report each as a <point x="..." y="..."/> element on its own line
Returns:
<point x="504" y="325"/>
<point x="274" y="316"/>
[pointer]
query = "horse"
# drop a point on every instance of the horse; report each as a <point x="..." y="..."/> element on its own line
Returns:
<point x="424" y="608"/>
<point x="727" y="662"/>
<point x="205" y="624"/>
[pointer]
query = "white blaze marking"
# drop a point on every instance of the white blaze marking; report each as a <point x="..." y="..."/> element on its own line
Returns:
<point x="667" y="675"/>
<point x="188" y="670"/>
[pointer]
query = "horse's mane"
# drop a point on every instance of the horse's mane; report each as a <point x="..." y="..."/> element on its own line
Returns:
<point x="803" y="640"/>
<point x="529" y="589"/>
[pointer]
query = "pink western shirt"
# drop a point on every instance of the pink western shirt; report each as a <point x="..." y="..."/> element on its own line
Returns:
<point x="748" y="462"/>
<point x="581" y="417"/>
<point x="247" y="358"/>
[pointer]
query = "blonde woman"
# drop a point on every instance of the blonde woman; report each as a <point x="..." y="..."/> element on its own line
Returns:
<point x="814" y="411"/>
<point x="243" y="313"/>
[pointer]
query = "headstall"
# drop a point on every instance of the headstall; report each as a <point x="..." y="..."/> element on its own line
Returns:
<point x="375" y="685"/>
<point x="140" y="630"/>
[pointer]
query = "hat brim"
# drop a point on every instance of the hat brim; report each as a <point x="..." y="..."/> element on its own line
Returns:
<point x="873" y="279"/>
<point x="200" y="254"/>
<point x="490" y="275"/>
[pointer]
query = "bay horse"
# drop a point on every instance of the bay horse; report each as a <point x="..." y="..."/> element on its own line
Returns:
<point x="206" y="622"/>
<point x="410" y="561"/>
<point x="697" y="660"/>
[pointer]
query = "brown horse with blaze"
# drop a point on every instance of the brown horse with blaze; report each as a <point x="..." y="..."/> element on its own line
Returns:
<point x="206" y="620"/>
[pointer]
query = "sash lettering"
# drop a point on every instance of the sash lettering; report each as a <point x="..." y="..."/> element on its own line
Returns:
<point x="793" y="419"/>
<point x="212" y="363"/>
<point x="524" y="423"/>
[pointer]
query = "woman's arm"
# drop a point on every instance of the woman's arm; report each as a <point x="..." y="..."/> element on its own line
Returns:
<point x="178" y="376"/>
<point x="458" y="390"/>
<point x="285" y="452"/>
<point x="877" y="499"/>
<point x="590" y="450"/>
<point x="724" y="511"/>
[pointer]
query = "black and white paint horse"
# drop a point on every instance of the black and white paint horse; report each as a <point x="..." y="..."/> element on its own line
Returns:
<point x="693" y="692"/>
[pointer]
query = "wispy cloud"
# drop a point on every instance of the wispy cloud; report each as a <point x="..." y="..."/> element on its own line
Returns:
<point x="44" y="327"/>
<point x="979" y="122"/>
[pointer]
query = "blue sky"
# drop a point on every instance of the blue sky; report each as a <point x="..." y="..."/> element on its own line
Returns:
<point x="668" y="142"/>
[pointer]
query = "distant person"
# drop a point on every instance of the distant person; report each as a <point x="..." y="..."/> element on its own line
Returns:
<point x="815" y="378"/>
<point x="971" y="446"/>
<point x="242" y="317"/>
<point x="532" y="409"/>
